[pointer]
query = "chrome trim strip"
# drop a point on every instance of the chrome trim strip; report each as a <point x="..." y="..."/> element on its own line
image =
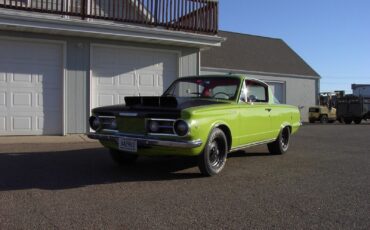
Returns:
<point x="163" y="134"/>
<point x="160" y="119"/>
<point x="252" y="144"/>
<point x="109" y="117"/>
<point x="128" y="114"/>
<point x="145" y="141"/>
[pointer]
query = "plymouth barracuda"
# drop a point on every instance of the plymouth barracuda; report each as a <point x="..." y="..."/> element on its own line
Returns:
<point x="207" y="117"/>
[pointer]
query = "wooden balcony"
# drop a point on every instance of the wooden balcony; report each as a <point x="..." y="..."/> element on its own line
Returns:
<point x="197" y="16"/>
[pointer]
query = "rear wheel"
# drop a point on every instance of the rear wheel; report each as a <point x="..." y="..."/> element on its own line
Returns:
<point x="311" y="120"/>
<point x="357" y="121"/>
<point x="213" y="158"/>
<point x="123" y="158"/>
<point x="347" y="120"/>
<point x="281" y="144"/>
<point x="324" y="119"/>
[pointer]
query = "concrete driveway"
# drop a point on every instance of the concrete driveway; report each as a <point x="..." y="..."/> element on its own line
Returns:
<point x="322" y="182"/>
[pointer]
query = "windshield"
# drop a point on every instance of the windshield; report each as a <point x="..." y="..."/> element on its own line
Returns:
<point x="207" y="87"/>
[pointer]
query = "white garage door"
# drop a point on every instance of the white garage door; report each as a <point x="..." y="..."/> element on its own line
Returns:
<point x="30" y="88"/>
<point x="118" y="72"/>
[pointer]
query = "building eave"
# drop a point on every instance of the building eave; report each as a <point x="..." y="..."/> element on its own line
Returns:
<point x="223" y="70"/>
<point x="15" y="20"/>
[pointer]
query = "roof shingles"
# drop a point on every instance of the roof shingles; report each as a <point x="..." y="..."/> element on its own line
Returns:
<point x="255" y="53"/>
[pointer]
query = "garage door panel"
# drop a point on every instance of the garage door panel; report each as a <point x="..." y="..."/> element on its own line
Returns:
<point x="127" y="80"/>
<point x="106" y="99"/>
<point x="2" y="78"/>
<point x="2" y="123"/>
<point x="48" y="103"/>
<point x="21" y="99"/>
<point x="106" y="80"/>
<point x="147" y="79"/>
<point x="21" y="123"/>
<point x="49" y="123"/>
<point x="2" y="100"/>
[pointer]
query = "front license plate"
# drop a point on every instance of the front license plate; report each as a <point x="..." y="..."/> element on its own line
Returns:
<point x="128" y="145"/>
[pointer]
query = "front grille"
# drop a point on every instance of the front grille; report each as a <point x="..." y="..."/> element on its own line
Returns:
<point x="134" y="125"/>
<point x="165" y="126"/>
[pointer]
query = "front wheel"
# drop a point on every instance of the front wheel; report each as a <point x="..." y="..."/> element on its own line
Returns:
<point x="347" y="120"/>
<point x="357" y="120"/>
<point x="281" y="144"/>
<point x="122" y="158"/>
<point x="324" y="119"/>
<point x="213" y="158"/>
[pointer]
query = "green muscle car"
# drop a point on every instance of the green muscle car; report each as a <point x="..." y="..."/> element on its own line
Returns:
<point x="207" y="117"/>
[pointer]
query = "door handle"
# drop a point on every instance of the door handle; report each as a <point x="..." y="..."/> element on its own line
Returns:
<point x="268" y="109"/>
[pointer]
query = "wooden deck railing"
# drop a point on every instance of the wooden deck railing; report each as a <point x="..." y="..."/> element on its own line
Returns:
<point x="187" y="15"/>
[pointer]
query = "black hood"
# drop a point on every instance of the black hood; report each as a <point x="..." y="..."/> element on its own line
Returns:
<point x="154" y="106"/>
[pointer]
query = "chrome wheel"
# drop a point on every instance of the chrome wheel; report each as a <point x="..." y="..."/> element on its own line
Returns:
<point x="284" y="140"/>
<point x="213" y="158"/>
<point x="281" y="144"/>
<point x="215" y="155"/>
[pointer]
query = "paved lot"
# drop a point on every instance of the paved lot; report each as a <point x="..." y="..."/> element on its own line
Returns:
<point x="322" y="182"/>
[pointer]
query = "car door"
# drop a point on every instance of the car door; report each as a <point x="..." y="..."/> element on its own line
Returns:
<point x="254" y="115"/>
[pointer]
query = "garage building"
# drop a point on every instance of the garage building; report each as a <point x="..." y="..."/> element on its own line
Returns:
<point x="60" y="59"/>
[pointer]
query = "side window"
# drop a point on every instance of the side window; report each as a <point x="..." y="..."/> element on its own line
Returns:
<point x="256" y="91"/>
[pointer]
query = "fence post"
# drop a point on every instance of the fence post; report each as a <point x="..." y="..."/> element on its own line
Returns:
<point x="83" y="9"/>
<point x="155" y="12"/>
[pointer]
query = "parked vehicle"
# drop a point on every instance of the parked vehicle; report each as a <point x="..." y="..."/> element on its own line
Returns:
<point x="322" y="114"/>
<point x="361" y="90"/>
<point x="207" y="117"/>
<point x="353" y="108"/>
<point x="326" y="111"/>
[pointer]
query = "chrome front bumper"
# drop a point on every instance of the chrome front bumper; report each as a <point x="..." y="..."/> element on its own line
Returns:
<point x="145" y="142"/>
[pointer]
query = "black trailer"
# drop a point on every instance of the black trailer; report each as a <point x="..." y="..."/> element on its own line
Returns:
<point x="353" y="108"/>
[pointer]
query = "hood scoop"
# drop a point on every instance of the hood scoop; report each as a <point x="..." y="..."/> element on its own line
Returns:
<point x="166" y="102"/>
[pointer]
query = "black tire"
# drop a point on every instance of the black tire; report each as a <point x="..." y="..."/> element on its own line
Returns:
<point x="213" y="158"/>
<point x="122" y="158"/>
<point x="357" y="120"/>
<point x="312" y="120"/>
<point x="324" y="119"/>
<point x="281" y="144"/>
<point x="347" y="120"/>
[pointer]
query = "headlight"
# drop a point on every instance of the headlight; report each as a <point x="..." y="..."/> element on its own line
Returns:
<point x="94" y="122"/>
<point x="153" y="126"/>
<point x="113" y="125"/>
<point x="181" y="128"/>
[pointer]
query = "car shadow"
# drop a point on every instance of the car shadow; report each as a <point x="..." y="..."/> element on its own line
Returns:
<point x="77" y="168"/>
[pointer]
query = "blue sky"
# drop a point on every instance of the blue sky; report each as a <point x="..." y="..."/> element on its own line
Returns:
<point x="332" y="36"/>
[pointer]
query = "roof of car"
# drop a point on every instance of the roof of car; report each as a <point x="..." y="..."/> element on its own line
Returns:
<point x="231" y="75"/>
